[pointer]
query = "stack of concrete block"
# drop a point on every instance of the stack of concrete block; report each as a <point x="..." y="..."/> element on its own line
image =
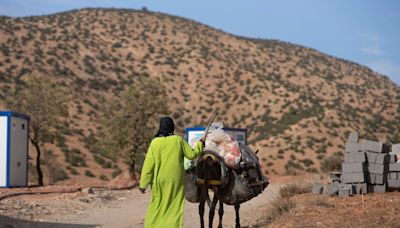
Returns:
<point x="377" y="164"/>
<point x="394" y="168"/>
<point x="368" y="166"/>
<point x="354" y="168"/>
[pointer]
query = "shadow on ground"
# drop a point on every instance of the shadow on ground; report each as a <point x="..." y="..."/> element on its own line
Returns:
<point x="9" y="222"/>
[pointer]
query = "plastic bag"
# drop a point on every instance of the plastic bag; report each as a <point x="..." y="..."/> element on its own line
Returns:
<point x="225" y="145"/>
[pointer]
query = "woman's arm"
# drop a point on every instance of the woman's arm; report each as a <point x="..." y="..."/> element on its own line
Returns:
<point x="148" y="169"/>
<point x="192" y="153"/>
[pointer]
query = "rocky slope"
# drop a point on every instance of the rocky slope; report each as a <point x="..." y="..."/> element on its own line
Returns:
<point x="297" y="103"/>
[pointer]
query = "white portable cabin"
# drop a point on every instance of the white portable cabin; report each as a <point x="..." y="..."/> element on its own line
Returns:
<point x="14" y="130"/>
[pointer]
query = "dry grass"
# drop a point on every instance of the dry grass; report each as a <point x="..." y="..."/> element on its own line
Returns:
<point x="294" y="189"/>
<point x="311" y="210"/>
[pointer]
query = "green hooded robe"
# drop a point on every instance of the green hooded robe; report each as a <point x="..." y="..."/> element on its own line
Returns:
<point x="163" y="170"/>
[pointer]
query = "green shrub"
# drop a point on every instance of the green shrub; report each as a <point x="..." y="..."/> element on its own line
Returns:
<point x="89" y="174"/>
<point x="332" y="163"/>
<point x="116" y="172"/>
<point x="103" y="177"/>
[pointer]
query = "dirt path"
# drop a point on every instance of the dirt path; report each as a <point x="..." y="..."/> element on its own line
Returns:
<point x="130" y="210"/>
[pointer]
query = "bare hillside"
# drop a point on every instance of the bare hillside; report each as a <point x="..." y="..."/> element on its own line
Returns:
<point x="297" y="103"/>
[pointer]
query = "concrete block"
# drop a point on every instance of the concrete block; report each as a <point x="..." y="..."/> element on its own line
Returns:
<point x="344" y="192"/>
<point x="335" y="176"/>
<point x="382" y="158"/>
<point x="393" y="175"/>
<point x="371" y="178"/>
<point x="371" y="157"/>
<point x="317" y="188"/>
<point x="374" y="146"/>
<point x="396" y="148"/>
<point x="353" y="147"/>
<point x="352" y="188"/>
<point x="361" y="188"/>
<point x="353" y="137"/>
<point x="353" y="167"/>
<point x="325" y="191"/>
<point x="379" y="187"/>
<point x="394" y="167"/>
<point x="378" y="168"/>
<point x="349" y="178"/>
<point x="354" y="157"/>
<point x="370" y="188"/>
<point x="333" y="189"/>
<point x="392" y="158"/>
<point x="381" y="178"/>
<point x="393" y="183"/>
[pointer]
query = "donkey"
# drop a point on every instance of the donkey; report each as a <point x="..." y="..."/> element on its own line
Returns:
<point x="211" y="171"/>
<point x="230" y="186"/>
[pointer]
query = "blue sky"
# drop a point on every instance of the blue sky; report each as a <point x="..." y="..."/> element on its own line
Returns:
<point x="362" y="31"/>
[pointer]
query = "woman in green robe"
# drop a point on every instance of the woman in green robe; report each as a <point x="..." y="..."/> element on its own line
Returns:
<point x="163" y="170"/>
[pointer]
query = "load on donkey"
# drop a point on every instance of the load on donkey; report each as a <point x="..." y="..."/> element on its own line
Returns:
<point x="231" y="170"/>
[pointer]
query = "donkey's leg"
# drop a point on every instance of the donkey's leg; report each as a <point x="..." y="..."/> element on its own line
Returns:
<point x="201" y="213"/>
<point x="220" y="213"/>
<point x="212" y="208"/>
<point x="237" y="207"/>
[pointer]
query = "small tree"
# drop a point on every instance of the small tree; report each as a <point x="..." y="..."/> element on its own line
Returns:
<point x="47" y="104"/>
<point x="128" y="122"/>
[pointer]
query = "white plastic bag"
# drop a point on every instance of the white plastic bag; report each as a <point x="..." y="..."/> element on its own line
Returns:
<point x="225" y="145"/>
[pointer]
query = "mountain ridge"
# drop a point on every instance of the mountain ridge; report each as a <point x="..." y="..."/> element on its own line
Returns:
<point x="299" y="104"/>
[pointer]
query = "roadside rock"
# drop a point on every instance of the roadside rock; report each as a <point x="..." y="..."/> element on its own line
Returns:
<point x="124" y="181"/>
<point x="88" y="190"/>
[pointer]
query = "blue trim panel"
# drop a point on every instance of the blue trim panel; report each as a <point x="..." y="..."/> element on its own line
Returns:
<point x="8" y="150"/>
<point x="15" y="114"/>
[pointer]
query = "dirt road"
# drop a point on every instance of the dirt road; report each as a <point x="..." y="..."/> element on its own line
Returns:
<point x="132" y="210"/>
<point x="114" y="209"/>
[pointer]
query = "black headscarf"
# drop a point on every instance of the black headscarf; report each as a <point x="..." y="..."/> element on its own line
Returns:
<point x="166" y="127"/>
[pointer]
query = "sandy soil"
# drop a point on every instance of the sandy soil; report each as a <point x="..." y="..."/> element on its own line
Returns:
<point x="111" y="209"/>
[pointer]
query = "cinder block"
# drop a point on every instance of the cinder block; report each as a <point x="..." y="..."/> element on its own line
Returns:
<point x="349" y="178"/>
<point x="325" y="192"/>
<point x="396" y="148"/>
<point x="352" y="188"/>
<point x="354" y="157"/>
<point x="333" y="189"/>
<point x="344" y="192"/>
<point x="371" y="178"/>
<point x="393" y="175"/>
<point x="335" y="176"/>
<point x="353" y="137"/>
<point x="379" y="187"/>
<point x="353" y="147"/>
<point x="382" y="158"/>
<point x="317" y="188"/>
<point x="370" y="188"/>
<point x="371" y="157"/>
<point x="353" y="167"/>
<point x="378" y="168"/>
<point x="374" y="146"/>
<point x="394" y="167"/>
<point x="393" y="183"/>
<point x="381" y="178"/>
<point x="392" y="158"/>
<point x="361" y="188"/>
